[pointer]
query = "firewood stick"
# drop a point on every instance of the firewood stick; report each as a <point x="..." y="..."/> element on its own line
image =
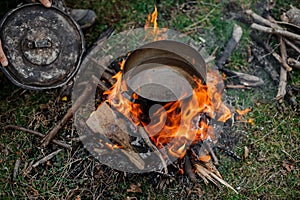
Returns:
<point x="188" y="169"/>
<point x="294" y="63"/>
<point x="283" y="74"/>
<point x="231" y="45"/>
<point x="260" y="19"/>
<point x="292" y="45"/>
<point x="209" y="175"/>
<point x="100" y="122"/>
<point x="146" y="138"/>
<point x="64" y="145"/>
<point x="47" y="139"/>
<point x="211" y="152"/>
<point x="236" y="87"/>
<point x="46" y="158"/>
<point x="134" y="158"/>
<point x="276" y="31"/>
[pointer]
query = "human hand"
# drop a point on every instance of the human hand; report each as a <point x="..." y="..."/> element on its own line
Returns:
<point x="46" y="3"/>
<point x="3" y="58"/>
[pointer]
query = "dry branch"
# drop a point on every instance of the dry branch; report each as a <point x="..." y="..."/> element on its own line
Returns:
<point x="292" y="45"/>
<point x="276" y="31"/>
<point x="283" y="74"/>
<point x="62" y="144"/>
<point x="47" y="139"/>
<point x="207" y="146"/>
<point x="146" y="138"/>
<point x="260" y="19"/>
<point x="259" y="53"/>
<point x="46" y="158"/>
<point x="245" y="79"/>
<point x="236" y="86"/>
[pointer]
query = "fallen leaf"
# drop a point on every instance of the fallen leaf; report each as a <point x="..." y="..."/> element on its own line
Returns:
<point x="288" y="166"/>
<point x="243" y="112"/>
<point x="135" y="188"/>
<point x="78" y="197"/>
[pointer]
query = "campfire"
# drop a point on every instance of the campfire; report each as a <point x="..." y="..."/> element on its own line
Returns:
<point x="180" y="125"/>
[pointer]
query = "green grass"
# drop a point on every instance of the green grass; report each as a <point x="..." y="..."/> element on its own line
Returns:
<point x="273" y="141"/>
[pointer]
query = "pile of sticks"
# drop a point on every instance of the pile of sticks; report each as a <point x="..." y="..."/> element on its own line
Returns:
<point x="287" y="31"/>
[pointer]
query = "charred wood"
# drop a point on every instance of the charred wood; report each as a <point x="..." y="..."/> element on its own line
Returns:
<point x="230" y="46"/>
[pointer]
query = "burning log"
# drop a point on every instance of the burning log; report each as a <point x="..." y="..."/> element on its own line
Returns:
<point x="104" y="121"/>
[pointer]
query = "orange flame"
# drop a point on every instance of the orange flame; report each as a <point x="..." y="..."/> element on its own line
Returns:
<point x="177" y="124"/>
<point x="152" y="19"/>
<point x="151" y="22"/>
<point x="115" y="98"/>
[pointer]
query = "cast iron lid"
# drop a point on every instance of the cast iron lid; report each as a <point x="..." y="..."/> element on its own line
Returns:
<point x="44" y="46"/>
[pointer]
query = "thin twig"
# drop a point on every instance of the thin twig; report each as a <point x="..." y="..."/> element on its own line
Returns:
<point x="46" y="158"/>
<point x="260" y="19"/>
<point x="292" y="45"/>
<point x="237" y="87"/>
<point x="68" y="116"/>
<point x="211" y="152"/>
<point x="64" y="145"/>
<point x="276" y="31"/>
<point x="16" y="168"/>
